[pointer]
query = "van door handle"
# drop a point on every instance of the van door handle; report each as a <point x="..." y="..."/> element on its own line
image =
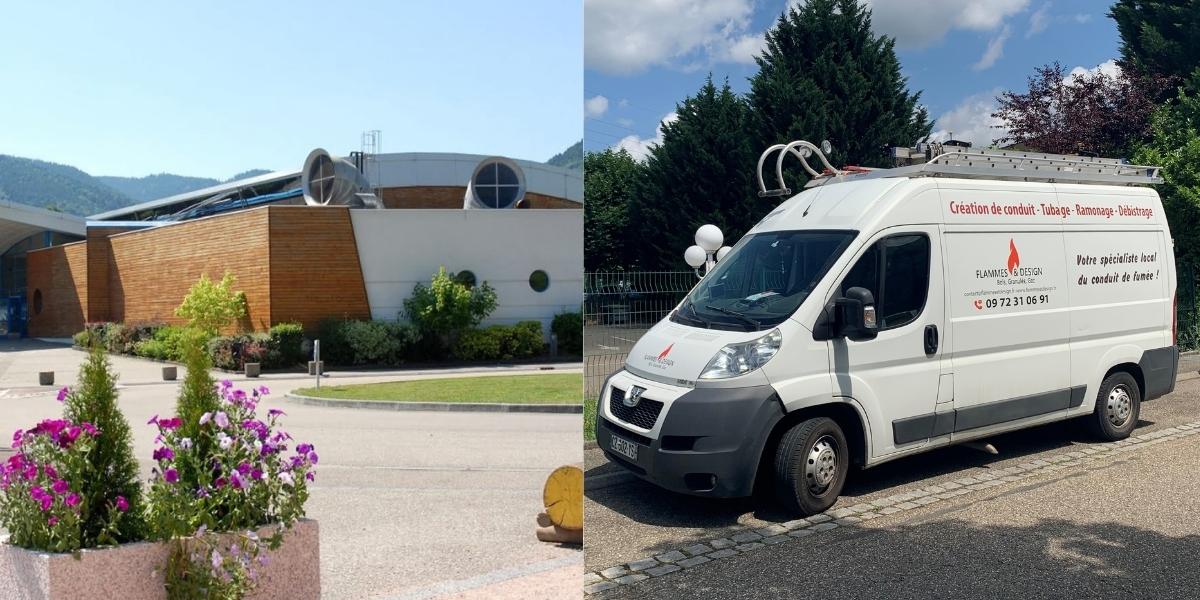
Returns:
<point x="931" y="340"/>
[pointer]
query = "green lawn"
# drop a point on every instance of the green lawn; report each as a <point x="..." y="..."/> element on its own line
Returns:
<point x="589" y="420"/>
<point x="557" y="388"/>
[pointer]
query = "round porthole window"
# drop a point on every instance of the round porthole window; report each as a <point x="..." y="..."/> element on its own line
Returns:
<point x="539" y="280"/>
<point x="498" y="183"/>
<point x="37" y="302"/>
<point x="466" y="278"/>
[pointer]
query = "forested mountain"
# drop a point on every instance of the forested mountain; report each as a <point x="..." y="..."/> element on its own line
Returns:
<point x="571" y="158"/>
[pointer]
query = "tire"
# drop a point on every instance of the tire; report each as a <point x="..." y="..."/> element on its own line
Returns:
<point x="805" y="487"/>
<point x="1118" y="405"/>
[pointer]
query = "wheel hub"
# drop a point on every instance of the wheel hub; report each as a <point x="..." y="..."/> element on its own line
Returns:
<point x="821" y="465"/>
<point x="1120" y="406"/>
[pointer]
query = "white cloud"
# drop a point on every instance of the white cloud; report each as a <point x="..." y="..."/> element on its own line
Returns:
<point x="639" y="147"/>
<point x="917" y="24"/>
<point x="971" y="121"/>
<point x="596" y="106"/>
<point x="625" y="122"/>
<point x="629" y="36"/>
<point x="1108" y="67"/>
<point x="1039" y="21"/>
<point x="993" y="52"/>
<point x="1081" y="18"/>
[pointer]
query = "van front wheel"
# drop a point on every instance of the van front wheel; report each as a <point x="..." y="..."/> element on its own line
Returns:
<point x="1118" y="405"/>
<point x="811" y="462"/>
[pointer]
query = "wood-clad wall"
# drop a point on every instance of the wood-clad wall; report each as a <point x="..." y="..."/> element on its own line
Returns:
<point x="59" y="275"/>
<point x="315" y="271"/>
<point x="150" y="271"/>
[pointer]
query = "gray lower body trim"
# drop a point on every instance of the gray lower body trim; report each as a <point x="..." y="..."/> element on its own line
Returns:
<point x="922" y="427"/>
<point x="1159" y="369"/>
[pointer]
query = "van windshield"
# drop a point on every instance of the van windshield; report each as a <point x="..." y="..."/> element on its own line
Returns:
<point x="763" y="280"/>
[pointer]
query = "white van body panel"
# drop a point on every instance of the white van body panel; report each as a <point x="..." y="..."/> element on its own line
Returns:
<point x="1035" y="292"/>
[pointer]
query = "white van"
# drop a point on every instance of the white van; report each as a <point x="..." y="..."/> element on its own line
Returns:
<point x="883" y="313"/>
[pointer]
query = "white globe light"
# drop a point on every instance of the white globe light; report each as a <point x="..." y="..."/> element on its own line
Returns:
<point x="722" y="252"/>
<point x="709" y="237"/>
<point x="695" y="256"/>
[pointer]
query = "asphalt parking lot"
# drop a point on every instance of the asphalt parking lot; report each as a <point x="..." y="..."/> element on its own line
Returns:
<point x="1054" y="514"/>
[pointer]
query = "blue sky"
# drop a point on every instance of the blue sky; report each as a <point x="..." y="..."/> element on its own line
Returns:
<point x="214" y="88"/>
<point x="643" y="56"/>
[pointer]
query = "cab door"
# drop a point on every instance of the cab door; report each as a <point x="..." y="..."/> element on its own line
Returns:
<point x="895" y="377"/>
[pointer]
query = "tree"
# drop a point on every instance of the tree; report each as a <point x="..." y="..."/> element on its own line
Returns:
<point x="212" y="306"/>
<point x="447" y="307"/>
<point x="702" y="172"/>
<point x="825" y="76"/>
<point x="1175" y="146"/>
<point x="608" y="184"/>
<point x="1091" y="113"/>
<point x="112" y="471"/>
<point x="1158" y="39"/>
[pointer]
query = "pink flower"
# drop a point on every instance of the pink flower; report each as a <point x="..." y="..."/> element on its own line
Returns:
<point x="60" y="487"/>
<point x="52" y="521"/>
<point x="122" y="504"/>
<point x="72" y="500"/>
<point x="91" y="429"/>
<point x="222" y="420"/>
<point x="16" y="440"/>
<point x="172" y="423"/>
<point x="206" y="417"/>
<point x="50" y="472"/>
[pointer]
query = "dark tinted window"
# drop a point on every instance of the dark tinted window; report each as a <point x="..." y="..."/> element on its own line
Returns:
<point x="896" y="271"/>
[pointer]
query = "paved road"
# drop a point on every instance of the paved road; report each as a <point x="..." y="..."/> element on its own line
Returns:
<point x="411" y="504"/>
<point x="1123" y="527"/>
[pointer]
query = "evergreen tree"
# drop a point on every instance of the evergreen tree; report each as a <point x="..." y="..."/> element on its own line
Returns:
<point x="825" y="76"/>
<point x="1175" y="146"/>
<point x="1158" y="39"/>
<point x="702" y="172"/>
<point x="198" y="393"/>
<point x="111" y="471"/>
<point x="608" y="182"/>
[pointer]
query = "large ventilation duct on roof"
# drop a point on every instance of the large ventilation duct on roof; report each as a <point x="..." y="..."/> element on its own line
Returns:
<point x="330" y="181"/>
<point x="496" y="183"/>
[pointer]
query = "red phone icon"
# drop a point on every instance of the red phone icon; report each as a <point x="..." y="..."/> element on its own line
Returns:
<point x="979" y="304"/>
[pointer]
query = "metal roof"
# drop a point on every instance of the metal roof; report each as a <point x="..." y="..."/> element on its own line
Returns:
<point x="19" y="221"/>
<point x="194" y="195"/>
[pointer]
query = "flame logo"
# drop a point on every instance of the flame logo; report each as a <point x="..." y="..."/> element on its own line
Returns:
<point x="666" y="352"/>
<point x="1014" y="259"/>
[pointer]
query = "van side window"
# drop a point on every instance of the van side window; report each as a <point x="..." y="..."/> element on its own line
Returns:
<point x="896" y="271"/>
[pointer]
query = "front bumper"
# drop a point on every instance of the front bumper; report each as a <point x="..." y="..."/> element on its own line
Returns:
<point x="707" y="441"/>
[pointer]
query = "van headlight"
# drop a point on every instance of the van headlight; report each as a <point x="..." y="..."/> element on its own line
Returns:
<point x="739" y="359"/>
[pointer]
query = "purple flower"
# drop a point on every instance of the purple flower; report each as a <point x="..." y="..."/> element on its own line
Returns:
<point x="226" y="384"/>
<point x="243" y="468"/>
<point x="30" y="473"/>
<point x="171" y="475"/>
<point x="16" y="441"/>
<point x="206" y="417"/>
<point x="122" y="504"/>
<point x="50" y="472"/>
<point x="312" y="457"/>
<point x="153" y="420"/>
<point x="222" y="420"/>
<point x="235" y="480"/>
<point x="220" y="482"/>
<point x="185" y="443"/>
<point x="310" y="476"/>
<point x="224" y="441"/>
<point x="216" y="560"/>
<point x="163" y="453"/>
<point x="263" y="391"/>
<point x="91" y="429"/>
<point x="62" y="394"/>
<point x="52" y="521"/>
<point x="69" y="435"/>
<point x="257" y="474"/>
<point x="287" y="478"/>
<point x="72" y="500"/>
<point x="172" y="423"/>
<point x="60" y="487"/>
<point x="304" y="448"/>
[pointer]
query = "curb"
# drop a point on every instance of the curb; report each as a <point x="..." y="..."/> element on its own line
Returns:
<point x="438" y="406"/>
<point x="747" y="539"/>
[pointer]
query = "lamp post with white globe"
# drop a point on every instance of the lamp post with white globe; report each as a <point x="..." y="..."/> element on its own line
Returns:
<point x="707" y="251"/>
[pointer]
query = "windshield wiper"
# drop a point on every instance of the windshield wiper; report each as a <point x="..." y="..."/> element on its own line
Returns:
<point x="734" y="313"/>
<point x="696" y="316"/>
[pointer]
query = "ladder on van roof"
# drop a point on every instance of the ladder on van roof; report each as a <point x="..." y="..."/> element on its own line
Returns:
<point x="945" y="160"/>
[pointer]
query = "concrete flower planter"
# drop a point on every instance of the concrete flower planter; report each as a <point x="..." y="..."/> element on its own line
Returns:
<point x="253" y="369"/>
<point x="170" y="373"/>
<point x="133" y="571"/>
<point x="46" y="378"/>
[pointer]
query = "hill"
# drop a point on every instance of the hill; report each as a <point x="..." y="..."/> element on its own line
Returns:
<point x="57" y="187"/>
<point x="571" y="158"/>
<point x="153" y="187"/>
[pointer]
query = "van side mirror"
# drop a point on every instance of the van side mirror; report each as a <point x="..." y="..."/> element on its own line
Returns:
<point x="855" y="315"/>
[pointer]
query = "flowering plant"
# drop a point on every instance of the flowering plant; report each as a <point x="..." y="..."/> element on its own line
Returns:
<point x="43" y="503"/>
<point x="228" y="471"/>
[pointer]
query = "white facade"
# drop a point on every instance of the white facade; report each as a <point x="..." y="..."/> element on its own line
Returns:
<point x="415" y="169"/>
<point x="401" y="248"/>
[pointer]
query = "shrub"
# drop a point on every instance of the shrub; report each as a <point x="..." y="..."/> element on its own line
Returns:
<point x="379" y="342"/>
<point x="119" y="339"/>
<point x="500" y="342"/>
<point x="94" y="333"/>
<point x="212" y="306"/>
<point x="448" y="307"/>
<point x="334" y="348"/>
<point x="152" y="349"/>
<point x="110" y="470"/>
<point x="287" y="340"/>
<point x="172" y="338"/>
<point x="85" y="339"/>
<point x="568" y="329"/>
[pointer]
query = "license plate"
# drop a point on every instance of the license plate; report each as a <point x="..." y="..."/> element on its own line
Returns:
<point x="623" y="447"/>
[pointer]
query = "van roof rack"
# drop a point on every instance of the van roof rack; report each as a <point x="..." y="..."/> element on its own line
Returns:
<point x="942" y="160"/>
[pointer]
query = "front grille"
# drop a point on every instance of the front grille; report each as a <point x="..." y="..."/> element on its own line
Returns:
<point x="644" y="415"/>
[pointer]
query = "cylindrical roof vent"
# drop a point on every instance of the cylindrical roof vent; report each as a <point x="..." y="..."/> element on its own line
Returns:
<point x="327" y="181"/>
<point x="496" y="183"/>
